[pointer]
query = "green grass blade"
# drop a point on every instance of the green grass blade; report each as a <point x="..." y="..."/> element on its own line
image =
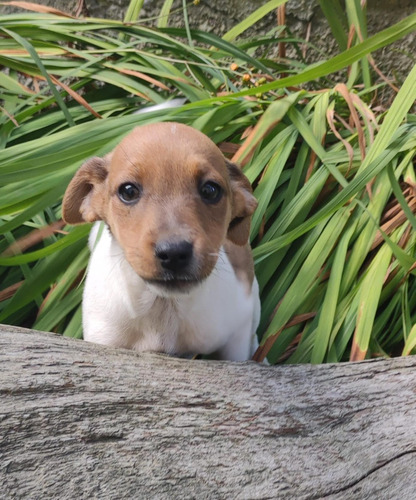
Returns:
<point x="406" y="311"/>
<point x="337" y="21"/>
<point x="368" y="302"/>
<point x="74" y="327"/>
<point x="10" y="84"/>
<point x="410" y="342"/>
<point x="267" y="185"/>
<point x="133" y="11"/>
<point x="398" y="193"/>
<point x="273" y="115"/>
<point x="307" y="133"/>
<point x="330" y="303"/>
<point x="45" y="74"/>
<point x="255" y="16"/>
<point x="186" y="22"/>
<point x="164" y="14"/>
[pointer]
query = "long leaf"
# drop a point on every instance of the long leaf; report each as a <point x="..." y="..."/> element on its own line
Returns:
<point x="368" y="303"/>
<point x="42" y="69"/>
<point x="252" y="19"/>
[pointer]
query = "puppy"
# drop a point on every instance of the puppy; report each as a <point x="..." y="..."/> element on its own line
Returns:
<point x="171" y="268"/>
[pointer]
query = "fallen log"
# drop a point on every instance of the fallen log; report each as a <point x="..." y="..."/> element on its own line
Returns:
<point x="79" y="420"/>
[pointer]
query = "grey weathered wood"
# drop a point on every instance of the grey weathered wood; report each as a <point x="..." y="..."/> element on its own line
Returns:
<point x="84" y="421"/>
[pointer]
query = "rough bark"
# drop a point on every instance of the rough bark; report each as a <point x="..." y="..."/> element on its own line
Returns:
<point x="83" y="421"/>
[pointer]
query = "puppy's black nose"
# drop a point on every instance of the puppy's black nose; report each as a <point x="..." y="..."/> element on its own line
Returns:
<point x="174" y="256"/>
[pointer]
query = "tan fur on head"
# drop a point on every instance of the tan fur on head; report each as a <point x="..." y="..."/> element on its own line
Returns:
<point x="169" y="161"/>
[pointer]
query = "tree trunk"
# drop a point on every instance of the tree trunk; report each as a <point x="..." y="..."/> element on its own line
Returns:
<point x="79" y="420"/>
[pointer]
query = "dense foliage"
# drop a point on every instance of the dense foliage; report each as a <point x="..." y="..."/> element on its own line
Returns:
<point x="334" y="234"/>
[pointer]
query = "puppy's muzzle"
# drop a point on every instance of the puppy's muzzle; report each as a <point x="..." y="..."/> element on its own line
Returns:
<point x="178" y="267"/>
<point x="176" y="257"/>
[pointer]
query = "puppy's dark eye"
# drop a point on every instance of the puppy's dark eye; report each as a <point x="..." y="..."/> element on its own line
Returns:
<point x="211" y="192"/>
<point x="129" y="192"/>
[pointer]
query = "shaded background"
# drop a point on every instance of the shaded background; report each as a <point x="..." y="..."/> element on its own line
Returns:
<point x="303" y="18"/>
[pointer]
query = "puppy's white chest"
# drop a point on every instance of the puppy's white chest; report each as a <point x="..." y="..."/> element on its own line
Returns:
<point x="161" y="328"/>
<point x="121" y="310"/>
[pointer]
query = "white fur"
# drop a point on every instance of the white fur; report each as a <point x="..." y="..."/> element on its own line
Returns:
<point x="120" y="309"/>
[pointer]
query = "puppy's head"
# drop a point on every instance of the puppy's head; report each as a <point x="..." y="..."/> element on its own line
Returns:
<point x="169" y="198"/>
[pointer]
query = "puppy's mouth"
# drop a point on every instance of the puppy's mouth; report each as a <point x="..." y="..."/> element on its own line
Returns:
<point x="178" y="284"/>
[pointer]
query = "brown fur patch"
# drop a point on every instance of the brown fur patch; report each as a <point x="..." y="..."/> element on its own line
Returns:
<point x="243" y="205"/>
<point x="84" y="196"/>
<point x="241" y="259"/>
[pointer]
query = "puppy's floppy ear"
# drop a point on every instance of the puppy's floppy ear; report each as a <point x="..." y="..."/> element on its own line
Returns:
<point x="243" y="205"/>
<point x="84" y="197"/>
